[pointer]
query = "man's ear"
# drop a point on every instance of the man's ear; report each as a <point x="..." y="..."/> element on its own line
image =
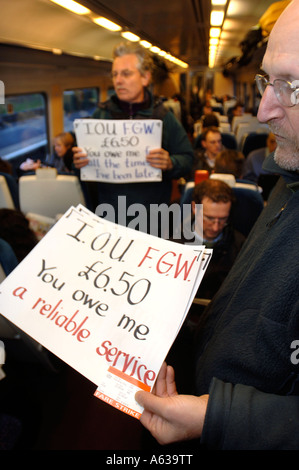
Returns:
<point x="146" y="78"/>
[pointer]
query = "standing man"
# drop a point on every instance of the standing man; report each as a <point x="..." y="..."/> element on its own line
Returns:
<point x="131" y="75"/>
<point x="247" y="372"/>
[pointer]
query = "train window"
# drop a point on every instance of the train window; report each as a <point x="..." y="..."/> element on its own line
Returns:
<point x="110" y="92"/>
<point x="23" y="127"/>
<point x="79" y="103"/>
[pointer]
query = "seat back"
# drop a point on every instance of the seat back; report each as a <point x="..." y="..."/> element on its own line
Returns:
<point x="227" y="178"/>
<point x="228" y="140"/>
<point x="49" y="194"/>
<point x="248" y="206"/>
<point x="245" y="118"/>
<point x="254" y="141"/>
<point x="13" y="188"/>
<point x="224" y="127"/>
<point x="6" y="200"/>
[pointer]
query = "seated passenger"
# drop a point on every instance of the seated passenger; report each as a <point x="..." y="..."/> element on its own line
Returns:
<point x="217" y="200"/>
<point x="15" y="230"/>
<point x="231" y="162"/>
<point x="236" y="110"/>
<point x="211" y="144"/>
<point x="253" y="166"/>
<point x="61" y="159"/>
<point x="210" y="120"/>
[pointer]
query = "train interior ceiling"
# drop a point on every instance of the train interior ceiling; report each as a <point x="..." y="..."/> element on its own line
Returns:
<point x="56" y="66"/>
<point x="50" y="50"/>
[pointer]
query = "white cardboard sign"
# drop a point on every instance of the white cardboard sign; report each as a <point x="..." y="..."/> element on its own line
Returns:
<point x="117" y="149"/>
<point x="106" y="299"/>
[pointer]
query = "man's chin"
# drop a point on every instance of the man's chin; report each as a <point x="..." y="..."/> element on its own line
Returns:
<point x="287" y="160"/>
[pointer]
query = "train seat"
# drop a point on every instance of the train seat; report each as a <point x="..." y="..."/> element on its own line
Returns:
<point x="228" y="139"/>
<point x="245" y="118"/>
<point x="49" y="194"/>
<point x="248" y="206"/>
<point x="13" y="188"/>
<point x="253" y="141"/>
<point x="6" y="200"/>
<point x="224" y="126"/>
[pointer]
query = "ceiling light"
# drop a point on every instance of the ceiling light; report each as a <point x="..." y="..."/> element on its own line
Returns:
<point x="219" y="2"/>
<point x="155" y="49"/>
<point x="215" y="32"/>
<point x="214" y="41"/>
<point x="130" y="36"/>
<point x="72" y="6"/>
<point x="101" y="21"/>
<point x="217" y="18"/>
<point x="145" y="44"/>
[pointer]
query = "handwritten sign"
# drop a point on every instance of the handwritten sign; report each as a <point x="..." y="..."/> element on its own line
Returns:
<point x="117" y="149"/>
<point x="106" y="299"/>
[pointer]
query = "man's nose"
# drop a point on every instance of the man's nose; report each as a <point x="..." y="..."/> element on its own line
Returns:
<point x="269" y="107"/>
<point x="216" y="224"/>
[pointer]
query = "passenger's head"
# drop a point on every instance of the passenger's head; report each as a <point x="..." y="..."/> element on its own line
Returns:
<point x="211" y="141"/>
<point x="216" y="198"/>
<point x="62" y="143"/>
<point x="207" y="108"/>
<point x="230" y="162"/>
<point x="131" y="71"/>
<point x="278" y="106"/>
<point x="210" y="120"/>
<point x="238" y="109"/>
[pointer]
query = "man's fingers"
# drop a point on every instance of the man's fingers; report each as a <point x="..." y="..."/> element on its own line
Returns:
<point x="170" y="382"/>
<point x="151" y="403"/>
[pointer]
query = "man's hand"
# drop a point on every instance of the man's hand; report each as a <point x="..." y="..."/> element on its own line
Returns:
<point x="80" y="157"/>
<point x="171" y="417"/>
<point x="159" y="158"/>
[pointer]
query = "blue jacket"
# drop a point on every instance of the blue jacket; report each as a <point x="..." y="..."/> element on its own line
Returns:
<point x="245" y="357"/>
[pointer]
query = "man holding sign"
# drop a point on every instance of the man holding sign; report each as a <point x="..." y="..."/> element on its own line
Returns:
<point x="247" y="395"/>
<point x="131" y="74"/>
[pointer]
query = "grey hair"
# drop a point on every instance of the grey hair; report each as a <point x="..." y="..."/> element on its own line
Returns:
<point x="145" y="62"/>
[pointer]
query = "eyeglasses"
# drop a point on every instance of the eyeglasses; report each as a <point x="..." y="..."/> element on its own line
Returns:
<point x="286" y="92"/>
<point x="123" y="73"/>
<point x="213" y="220"/>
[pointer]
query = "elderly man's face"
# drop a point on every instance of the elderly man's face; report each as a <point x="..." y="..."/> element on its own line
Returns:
<point x="127" y="80"/>
<point x="281" y="61"/>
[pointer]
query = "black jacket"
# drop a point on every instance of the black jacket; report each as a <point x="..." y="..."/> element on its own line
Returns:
<point x="244" y="348"/>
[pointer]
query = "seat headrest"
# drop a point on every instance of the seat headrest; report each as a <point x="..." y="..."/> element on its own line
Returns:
<point x="229" y="179"/>
<point x="42" y="173"/>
